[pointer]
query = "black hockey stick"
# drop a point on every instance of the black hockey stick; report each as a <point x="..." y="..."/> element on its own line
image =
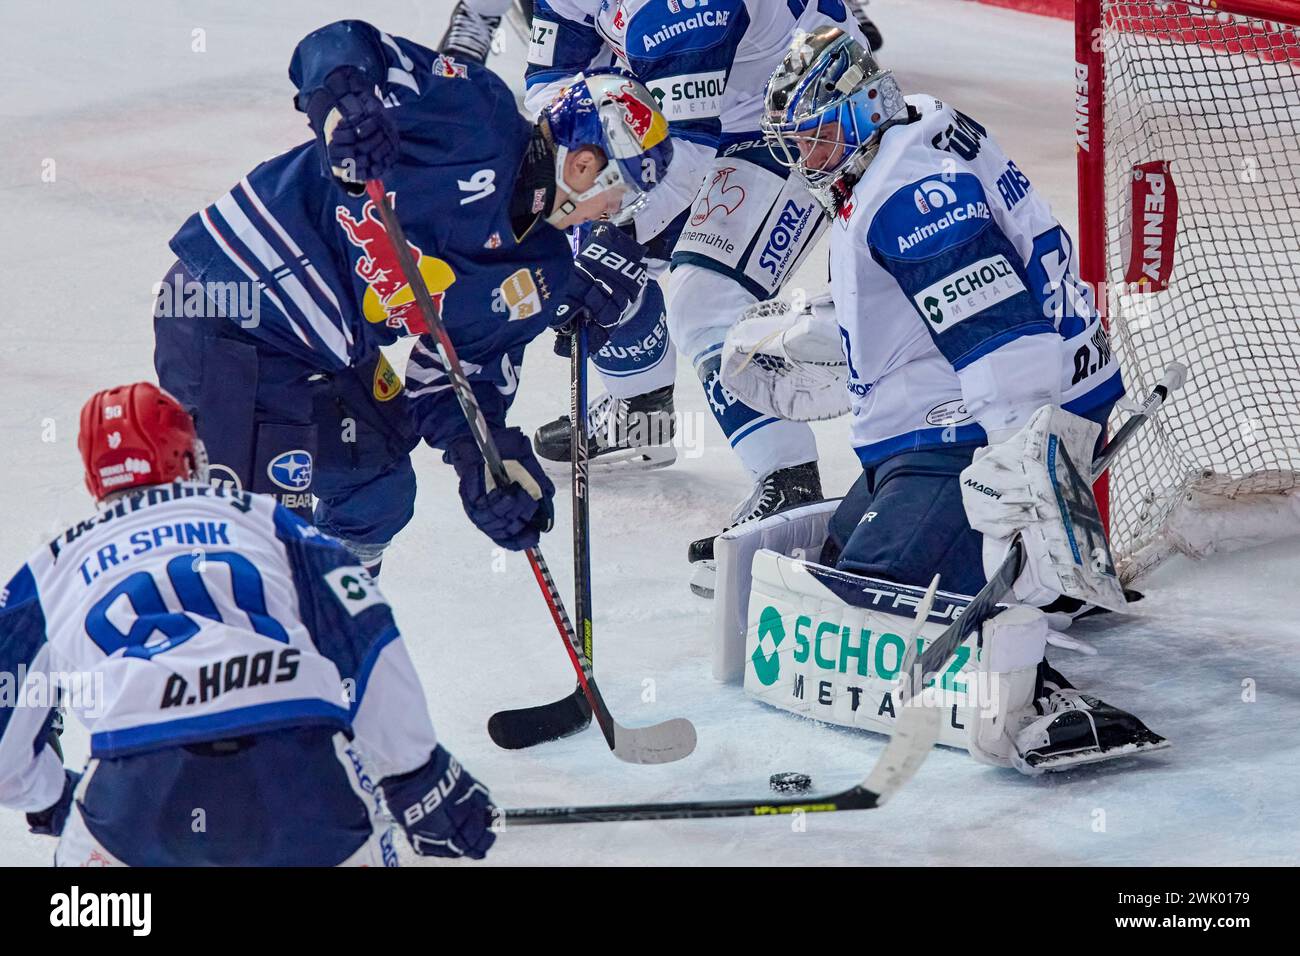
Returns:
<point x="658" y="743"/>
<point x="917" y="729"/>
<point x="529" y="726"/>
<point x="533" y="725"/>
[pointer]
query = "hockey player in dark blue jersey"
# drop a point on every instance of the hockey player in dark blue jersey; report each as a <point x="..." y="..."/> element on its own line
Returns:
<point x="269" y="327"/>
<point x="246" y="690"/>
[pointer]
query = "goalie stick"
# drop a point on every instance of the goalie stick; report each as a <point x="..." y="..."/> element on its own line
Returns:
<point x="917" y="729"/>
<point x="658" y="743"/>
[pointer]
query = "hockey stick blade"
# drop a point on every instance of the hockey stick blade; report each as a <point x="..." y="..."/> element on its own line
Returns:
<point x="664" y="742"/>
<point x="526" y="727"/>
<point x="895" y="766"/>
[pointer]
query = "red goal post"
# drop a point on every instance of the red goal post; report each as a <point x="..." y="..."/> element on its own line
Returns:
<point x="1187" y="135"/>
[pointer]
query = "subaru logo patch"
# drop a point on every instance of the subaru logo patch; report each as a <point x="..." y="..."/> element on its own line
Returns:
<point x="291" y="470"/>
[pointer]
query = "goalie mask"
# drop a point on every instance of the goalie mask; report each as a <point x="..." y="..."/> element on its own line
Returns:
<point x="826" y="107"/>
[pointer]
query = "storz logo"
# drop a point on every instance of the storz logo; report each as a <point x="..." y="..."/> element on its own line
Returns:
<point x="785" y="236"/>
<point x="291" y="470"/>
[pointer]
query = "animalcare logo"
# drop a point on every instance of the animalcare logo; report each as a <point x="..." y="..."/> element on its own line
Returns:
<point x="134" y="910"/>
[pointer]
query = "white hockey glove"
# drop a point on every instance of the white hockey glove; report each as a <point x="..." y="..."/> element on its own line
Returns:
<point x="1037" y="484"/>
<point x="788" y="364"/>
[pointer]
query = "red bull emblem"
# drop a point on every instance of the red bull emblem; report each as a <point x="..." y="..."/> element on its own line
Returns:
<point x="388" y="297"/>
<point x="645" y="123"/>
<point x="447" y="66"/>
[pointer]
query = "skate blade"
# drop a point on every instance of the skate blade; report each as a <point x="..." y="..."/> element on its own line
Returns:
<point x="1070" y="761"/>
<point x="645" y="458"/>
<point x="704" y="576"/>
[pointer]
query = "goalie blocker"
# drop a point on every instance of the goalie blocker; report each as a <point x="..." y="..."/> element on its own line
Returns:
<point x="826" y="644"/>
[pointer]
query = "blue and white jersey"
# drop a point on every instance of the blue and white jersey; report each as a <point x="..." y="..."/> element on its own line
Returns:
<point x="329" y="290"/>
<point x="188" y="613"/>
<point x="707" y="62"/>
<point x="957" y="295"/>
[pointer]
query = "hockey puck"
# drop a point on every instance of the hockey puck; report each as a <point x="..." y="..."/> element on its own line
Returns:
<point x="790" y="782"/>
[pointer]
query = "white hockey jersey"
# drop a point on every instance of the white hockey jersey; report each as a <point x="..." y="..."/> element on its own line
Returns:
<point x="707" y="62"/>
<point x="956" y="294"/>
<point x="188" y="613"/>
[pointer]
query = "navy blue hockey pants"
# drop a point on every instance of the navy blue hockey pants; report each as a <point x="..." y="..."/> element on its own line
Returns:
<point x="273" y="424"/>
<point x="280" y="798"/>
<point x="903" y="520"/>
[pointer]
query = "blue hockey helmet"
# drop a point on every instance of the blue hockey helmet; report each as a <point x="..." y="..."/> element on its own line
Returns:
<point x="826" y="107"/>
<point x="610" y="109"/>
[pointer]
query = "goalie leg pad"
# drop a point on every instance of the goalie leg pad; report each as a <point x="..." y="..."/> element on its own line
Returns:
<point x="1013" y="646"/>
<point x="800" y="532"/>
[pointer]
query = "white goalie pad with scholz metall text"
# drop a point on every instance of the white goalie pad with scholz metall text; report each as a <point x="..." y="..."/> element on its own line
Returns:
<point x="826" y="644"/>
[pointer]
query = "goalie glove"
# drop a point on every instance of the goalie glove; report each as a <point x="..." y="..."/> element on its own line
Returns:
<point x="1037" y="483"/>
<point x="788" y="364"/>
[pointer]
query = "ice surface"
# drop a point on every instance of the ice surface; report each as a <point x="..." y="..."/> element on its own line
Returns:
<point x="143" y="131"/>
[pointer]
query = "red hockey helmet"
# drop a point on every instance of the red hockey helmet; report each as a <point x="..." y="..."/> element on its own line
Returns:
<point x="136" y="435"/>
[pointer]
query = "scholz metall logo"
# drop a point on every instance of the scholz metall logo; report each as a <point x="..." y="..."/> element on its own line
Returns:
<point x="291" y="470"/>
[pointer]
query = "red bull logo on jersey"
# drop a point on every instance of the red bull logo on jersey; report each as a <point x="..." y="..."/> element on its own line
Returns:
<point x="447" y="66"/>
<point x="641" y="118"/>
<point x="388" y="299"/>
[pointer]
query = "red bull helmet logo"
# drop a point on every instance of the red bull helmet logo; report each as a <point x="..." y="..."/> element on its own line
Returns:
<point x="641" y="117"/>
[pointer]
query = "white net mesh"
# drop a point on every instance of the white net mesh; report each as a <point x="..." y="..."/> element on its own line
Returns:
<point x="1216" y="96"/>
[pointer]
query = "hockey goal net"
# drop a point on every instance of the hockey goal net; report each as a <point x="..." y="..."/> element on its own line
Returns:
<point x="1188" y="141"/>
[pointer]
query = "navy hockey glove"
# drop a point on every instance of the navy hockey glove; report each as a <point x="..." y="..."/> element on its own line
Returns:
<point x="358" y="136"/>
<point x="50" y="821"/>
<point x="514" y="516"/>
<point x="442" y="808"/>
<point x="609" y="276"/>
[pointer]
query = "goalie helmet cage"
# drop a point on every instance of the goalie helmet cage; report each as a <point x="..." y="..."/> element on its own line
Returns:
<point x="1188" y="144"/>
